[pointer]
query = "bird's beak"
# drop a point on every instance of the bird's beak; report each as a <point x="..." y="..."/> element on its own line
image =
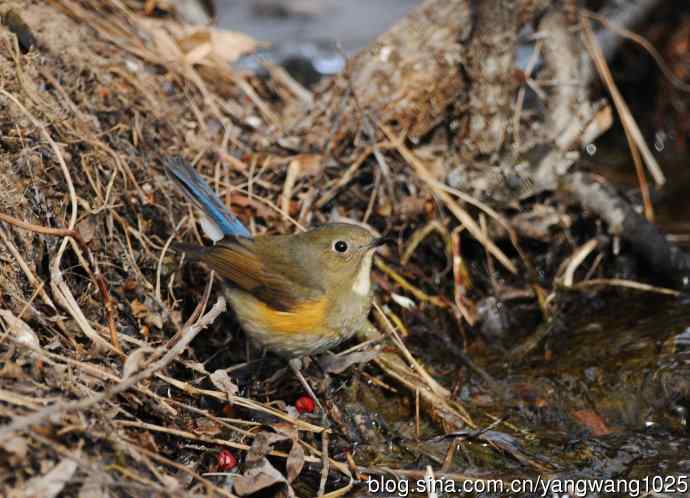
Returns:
<point x="379" y="241"/>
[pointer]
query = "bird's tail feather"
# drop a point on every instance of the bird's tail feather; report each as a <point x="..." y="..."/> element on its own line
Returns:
<point x="195" y="188"/>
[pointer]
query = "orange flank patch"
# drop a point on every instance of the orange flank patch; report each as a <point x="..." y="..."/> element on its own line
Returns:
<point x="306" y="318"/>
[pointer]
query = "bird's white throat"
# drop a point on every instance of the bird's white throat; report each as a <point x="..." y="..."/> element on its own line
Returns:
<point x="363" y="280"/>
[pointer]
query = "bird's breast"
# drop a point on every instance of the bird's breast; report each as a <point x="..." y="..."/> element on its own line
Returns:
<point x="305" y="318"/>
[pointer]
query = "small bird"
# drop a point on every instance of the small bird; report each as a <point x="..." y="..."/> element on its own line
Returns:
<point x="294" y="295"/>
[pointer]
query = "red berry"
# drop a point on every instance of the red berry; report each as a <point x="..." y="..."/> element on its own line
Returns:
<point x="226" y="460"/>
<point x="304" y="404"/>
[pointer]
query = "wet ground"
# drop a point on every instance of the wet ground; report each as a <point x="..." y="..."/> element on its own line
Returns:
<point x="605" y="397"/>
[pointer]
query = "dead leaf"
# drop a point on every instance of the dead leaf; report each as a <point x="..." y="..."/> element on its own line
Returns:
<point x="50" y="484"/>
<point x="260" y="476"/>
<point x="87" y="229"/>
<point x="20" y="329"/>
<point x="225" y="47"/>
<point x="295" y="461"/>
<point x="223" y="382"/>
<point x="592" y="421"/>
<point x="144" y="312"/>
<point x="286" y="428"/>
<point x="228" y="46"/>
<point x="197" y="44"/>
<point x="207" y="427"/>
<point x="199" y="52"/>
<point x="340" y="363"/>
<point x="263" y="445"/>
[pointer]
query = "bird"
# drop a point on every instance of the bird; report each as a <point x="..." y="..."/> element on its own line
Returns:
<point x="294" y="295"/>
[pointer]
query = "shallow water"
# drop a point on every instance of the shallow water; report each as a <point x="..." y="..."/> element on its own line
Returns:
<point x="605" y="397"/>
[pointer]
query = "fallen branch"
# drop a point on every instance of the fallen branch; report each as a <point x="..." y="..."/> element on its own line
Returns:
<point x="645" y="238"/>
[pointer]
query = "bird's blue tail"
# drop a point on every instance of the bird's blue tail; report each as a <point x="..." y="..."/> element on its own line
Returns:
<point x="199" y="192"/>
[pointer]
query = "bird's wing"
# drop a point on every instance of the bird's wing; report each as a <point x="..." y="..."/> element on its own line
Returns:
<point x="273" y="280"/>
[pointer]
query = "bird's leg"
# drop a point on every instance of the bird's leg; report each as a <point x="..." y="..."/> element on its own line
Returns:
<point x="258" y="369"/>
<point x="296" y="366"/>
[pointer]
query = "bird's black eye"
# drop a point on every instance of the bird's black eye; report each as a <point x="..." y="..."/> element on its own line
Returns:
<point x="340" y="246"/>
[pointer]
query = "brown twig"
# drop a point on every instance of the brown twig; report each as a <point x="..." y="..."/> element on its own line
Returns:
<point x="626" y="117"/>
